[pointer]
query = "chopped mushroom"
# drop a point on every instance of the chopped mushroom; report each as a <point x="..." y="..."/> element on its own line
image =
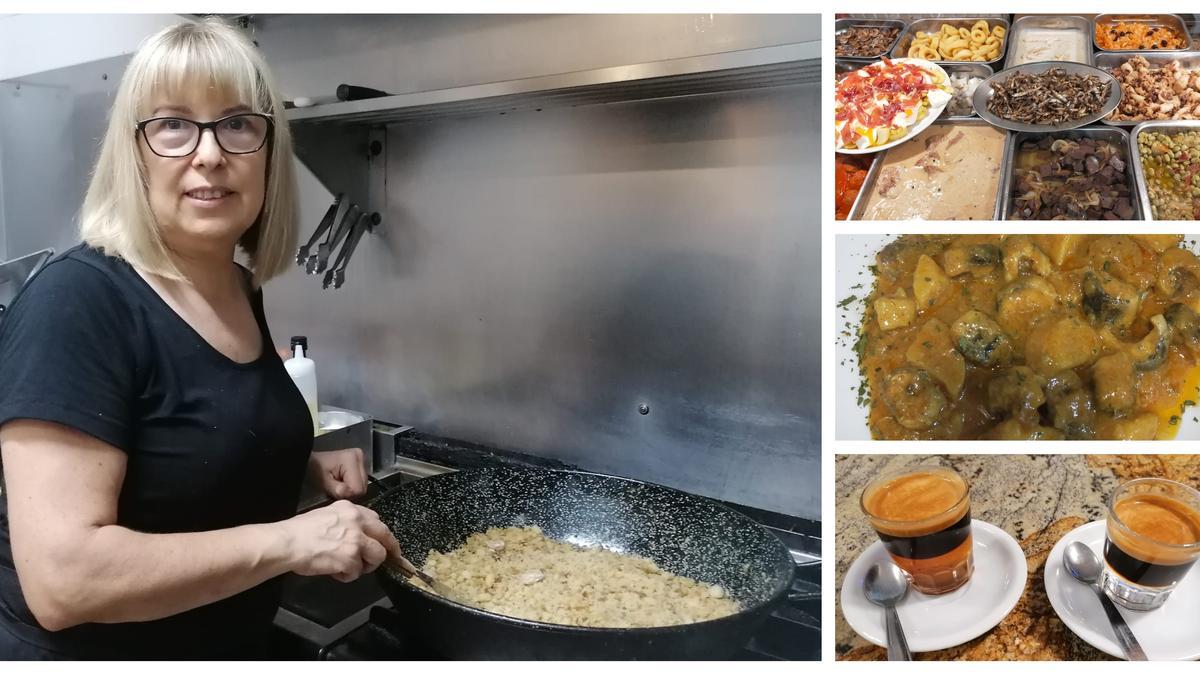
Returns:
<point x="1185" y="326"/>
<point x="1108" y="300"/>
<point x="979" y="260"/>
<point x="1016" y="393"/>
<point x="1020" y="303"/>
<point x="1071" y="406"/>
<point x="933" y="351"/>
<point x="1178" y="270"/>
<point x="980" y="340"/>
<point x="914" y="397"/>
<point x="1022" y="257"/>
<point x="1151" y="352"/>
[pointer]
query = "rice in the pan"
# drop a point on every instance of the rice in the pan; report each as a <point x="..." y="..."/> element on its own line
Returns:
<point x="519" y="572"/>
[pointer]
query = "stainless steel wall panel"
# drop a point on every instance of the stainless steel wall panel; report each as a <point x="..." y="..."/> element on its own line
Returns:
<point x="539" y="276"/>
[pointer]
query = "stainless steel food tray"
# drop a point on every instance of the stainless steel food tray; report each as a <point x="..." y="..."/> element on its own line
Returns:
<point x="1050" y="22"/>
<point x="1172" y="20"/>
<point x="873" y="173"/>
<point x="845" y="66"/>
<point x="1164" y="126"/>
<point x="934" y="25"/>
<point x="1120" y="137"/>
<point x="841" y="25"/>
<point x="857" y="206"/>
<point x="1110" y="60"/>
<point x="980" y="70"/>
<point x="984" y="92"/>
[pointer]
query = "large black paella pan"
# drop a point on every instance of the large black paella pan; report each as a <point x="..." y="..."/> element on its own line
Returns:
<point x="684" y="534"/>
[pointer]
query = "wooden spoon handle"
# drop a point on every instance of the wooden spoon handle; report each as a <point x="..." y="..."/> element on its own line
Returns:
<point x="400" y="565"/>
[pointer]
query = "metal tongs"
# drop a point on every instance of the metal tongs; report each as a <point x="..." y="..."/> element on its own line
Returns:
<point x="350" y="228"/>
<point x="336" y="276"/>
<point x="315" y="263"/>
<point x="302" y="255"/>
<point x="325" y="249"/>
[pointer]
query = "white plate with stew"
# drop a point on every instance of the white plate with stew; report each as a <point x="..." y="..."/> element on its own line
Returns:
<point x="854" y="280"/>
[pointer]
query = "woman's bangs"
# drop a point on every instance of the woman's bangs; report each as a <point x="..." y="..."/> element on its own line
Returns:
<point x="195" y="64"/>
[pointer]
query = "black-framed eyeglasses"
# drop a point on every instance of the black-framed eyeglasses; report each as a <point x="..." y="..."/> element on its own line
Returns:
<point x="240" y="134"/>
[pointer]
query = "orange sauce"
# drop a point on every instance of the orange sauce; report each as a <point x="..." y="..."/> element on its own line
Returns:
<point x="1161" y="391"/>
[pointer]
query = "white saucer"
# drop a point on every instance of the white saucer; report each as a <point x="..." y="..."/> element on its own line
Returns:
<point x="1171" y="632"/>
<point x="933" y="622"/>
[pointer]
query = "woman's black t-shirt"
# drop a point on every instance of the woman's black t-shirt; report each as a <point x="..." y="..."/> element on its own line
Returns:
<point x="210" y="443"/>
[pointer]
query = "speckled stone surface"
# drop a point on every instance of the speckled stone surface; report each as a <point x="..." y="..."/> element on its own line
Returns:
<point x="1035" y="498"/>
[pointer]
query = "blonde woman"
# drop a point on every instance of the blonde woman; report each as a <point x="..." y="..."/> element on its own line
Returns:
<point x="153" y="445"/>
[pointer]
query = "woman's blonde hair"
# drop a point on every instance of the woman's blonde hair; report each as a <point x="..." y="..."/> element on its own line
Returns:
<point x="116" y="215"/>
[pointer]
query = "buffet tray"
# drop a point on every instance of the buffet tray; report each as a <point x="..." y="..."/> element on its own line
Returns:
<point x="978" y="69"/>
<point x="873" y="173"/>
<point x="1056" y="22"/>
<point x="1120" y="137"/>
<point x="934" y="25"/>
<point x="984" y="93"/>
<point x="1172" y="20"/>
<point x="841" y="25"/>
<point x="1139" y="171"/>
<point x="1110" y="60"/>
<point x="872" y="170"/>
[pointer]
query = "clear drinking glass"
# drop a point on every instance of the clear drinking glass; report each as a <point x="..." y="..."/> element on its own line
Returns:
<point x="923" y="517"/>
<point x="1152" y="540"/>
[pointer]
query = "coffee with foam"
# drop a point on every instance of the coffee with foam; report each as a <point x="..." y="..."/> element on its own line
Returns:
<point x="923" y="518"/>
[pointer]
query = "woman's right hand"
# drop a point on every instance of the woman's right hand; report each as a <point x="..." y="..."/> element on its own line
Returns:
<point x="342" y="540"/>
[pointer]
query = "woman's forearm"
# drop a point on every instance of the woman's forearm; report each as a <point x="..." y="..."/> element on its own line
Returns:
<point x="115" y="574"/>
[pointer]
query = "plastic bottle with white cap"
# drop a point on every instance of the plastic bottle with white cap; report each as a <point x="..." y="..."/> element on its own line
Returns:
<point x="304" y="374"/>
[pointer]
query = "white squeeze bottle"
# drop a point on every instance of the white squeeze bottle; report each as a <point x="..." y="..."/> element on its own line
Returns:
<point x="304" y="374"/>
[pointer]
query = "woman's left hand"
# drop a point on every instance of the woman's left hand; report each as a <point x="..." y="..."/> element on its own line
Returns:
<point x="342" y="474"/>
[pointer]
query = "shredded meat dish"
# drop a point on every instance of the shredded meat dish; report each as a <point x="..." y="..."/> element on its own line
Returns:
<point x="1031" y="337"/>
<point x="519" y="572"/>
<point x="1051" y="97"/>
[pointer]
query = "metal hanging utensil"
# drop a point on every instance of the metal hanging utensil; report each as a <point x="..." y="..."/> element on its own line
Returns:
<point x="303" y="254"/>
<point x="336" y="276"/>
<point x="319" y="262"/>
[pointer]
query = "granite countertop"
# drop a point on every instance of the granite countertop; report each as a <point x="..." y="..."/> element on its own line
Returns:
<point x="1035" y="498"/>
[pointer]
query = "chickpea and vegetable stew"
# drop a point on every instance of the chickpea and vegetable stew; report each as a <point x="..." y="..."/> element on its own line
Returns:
<point x="1031" y="337"/>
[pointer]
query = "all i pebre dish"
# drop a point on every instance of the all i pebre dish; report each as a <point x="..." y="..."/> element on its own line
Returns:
<point x="1035" y="337"/>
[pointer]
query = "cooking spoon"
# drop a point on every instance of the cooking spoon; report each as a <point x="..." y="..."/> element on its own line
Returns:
<point x="400" y="565"/>
<point x="1083" y="564"/>
<point x="885" y="586"/>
